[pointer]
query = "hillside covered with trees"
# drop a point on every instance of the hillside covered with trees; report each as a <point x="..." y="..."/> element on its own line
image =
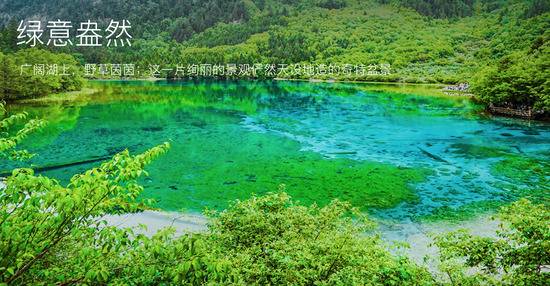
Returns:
<point x="498" y="46"/>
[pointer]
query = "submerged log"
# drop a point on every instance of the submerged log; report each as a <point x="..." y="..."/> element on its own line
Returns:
<point x="343" y="153"/>
<point x="63" y="165"/>
<point x="517" y="148"/>
<point x="433" y="156"/>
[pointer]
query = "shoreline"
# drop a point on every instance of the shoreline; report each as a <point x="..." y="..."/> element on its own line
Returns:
<point x="268" y="79"/>
<point x="437" y="90"/>
<point x="156" y="220"/>
<point x="417" y="235"/>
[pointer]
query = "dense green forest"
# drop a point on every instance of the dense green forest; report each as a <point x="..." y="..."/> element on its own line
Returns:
<point x="18" y="78"/>
<point x="500" y="47"/>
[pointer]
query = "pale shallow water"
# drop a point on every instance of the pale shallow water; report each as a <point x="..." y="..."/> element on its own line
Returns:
<point x="415" y="240"/>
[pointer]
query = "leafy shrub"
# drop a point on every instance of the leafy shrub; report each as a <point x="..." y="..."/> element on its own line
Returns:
<point x="272" y="240"/>
<point x="18" y="80"/>
<point x="517" y="80"/>
<point x="519" y="256"/>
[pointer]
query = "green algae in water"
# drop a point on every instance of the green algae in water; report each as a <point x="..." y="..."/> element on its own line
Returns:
<point x="478" y="151"/>
<point x="521" y="177"/>
<point x="524" y="169"/>
<point x="462" y="213"/>
<point x="322" y="140"/>
<point x="242" y="164"/>
<point x="524" y="176"/>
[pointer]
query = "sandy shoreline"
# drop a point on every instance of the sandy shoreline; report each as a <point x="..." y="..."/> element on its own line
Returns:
<point x="418" y="236"/>
<point x="156" y="220"/>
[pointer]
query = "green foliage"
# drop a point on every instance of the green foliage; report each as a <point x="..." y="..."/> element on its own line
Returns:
<point x="8" y="37"/>
<point x="331" y="4"/>
<point x="537" y="7"/>
<point x="18" y="80"/>
<point x="464" y="8"/>
<point x="56" y="234"/>
<point x="487" y="42"/>
<point x="272" y="240"/>
<point x="518" y="80"/>
<point x="289" y="46"/>
<point x="438" y="8"/>
<point x="172" y="19"/>
<point x="518" y="256"/>
<point x="10" y="138"/>
<point x="52" y="233"/>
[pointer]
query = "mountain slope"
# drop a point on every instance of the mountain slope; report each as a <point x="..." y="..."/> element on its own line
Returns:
<point x="422" y="40"/>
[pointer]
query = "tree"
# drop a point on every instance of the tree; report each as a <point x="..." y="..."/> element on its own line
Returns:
<point x="287" y="46"/>
<point x="518" y="256"/>
<point x="10" y="138"/>
<point x="19" y="80"/>
<point x="272" y="240"/>
<point x="518" y="80"/>
<point x="537" y="7"/>
<point x="54" y="234"/>
<point x="439" y="8"/>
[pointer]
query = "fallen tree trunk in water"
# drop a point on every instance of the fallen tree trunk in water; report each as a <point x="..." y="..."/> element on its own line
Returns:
<point x="343" y="153"/>
<point x="62" y="165"/>
<point x="433" y="156"/>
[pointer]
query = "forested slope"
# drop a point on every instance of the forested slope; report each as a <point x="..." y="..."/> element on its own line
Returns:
<point x="484" y="42"/>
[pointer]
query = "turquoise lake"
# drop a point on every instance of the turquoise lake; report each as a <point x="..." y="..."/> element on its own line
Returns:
<point x="398" y="151"/>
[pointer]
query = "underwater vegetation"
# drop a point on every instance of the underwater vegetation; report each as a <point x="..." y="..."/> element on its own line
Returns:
<point x="388" y="150"/>
<point x="525" y="177"/>
<point x="238" y="165"/>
